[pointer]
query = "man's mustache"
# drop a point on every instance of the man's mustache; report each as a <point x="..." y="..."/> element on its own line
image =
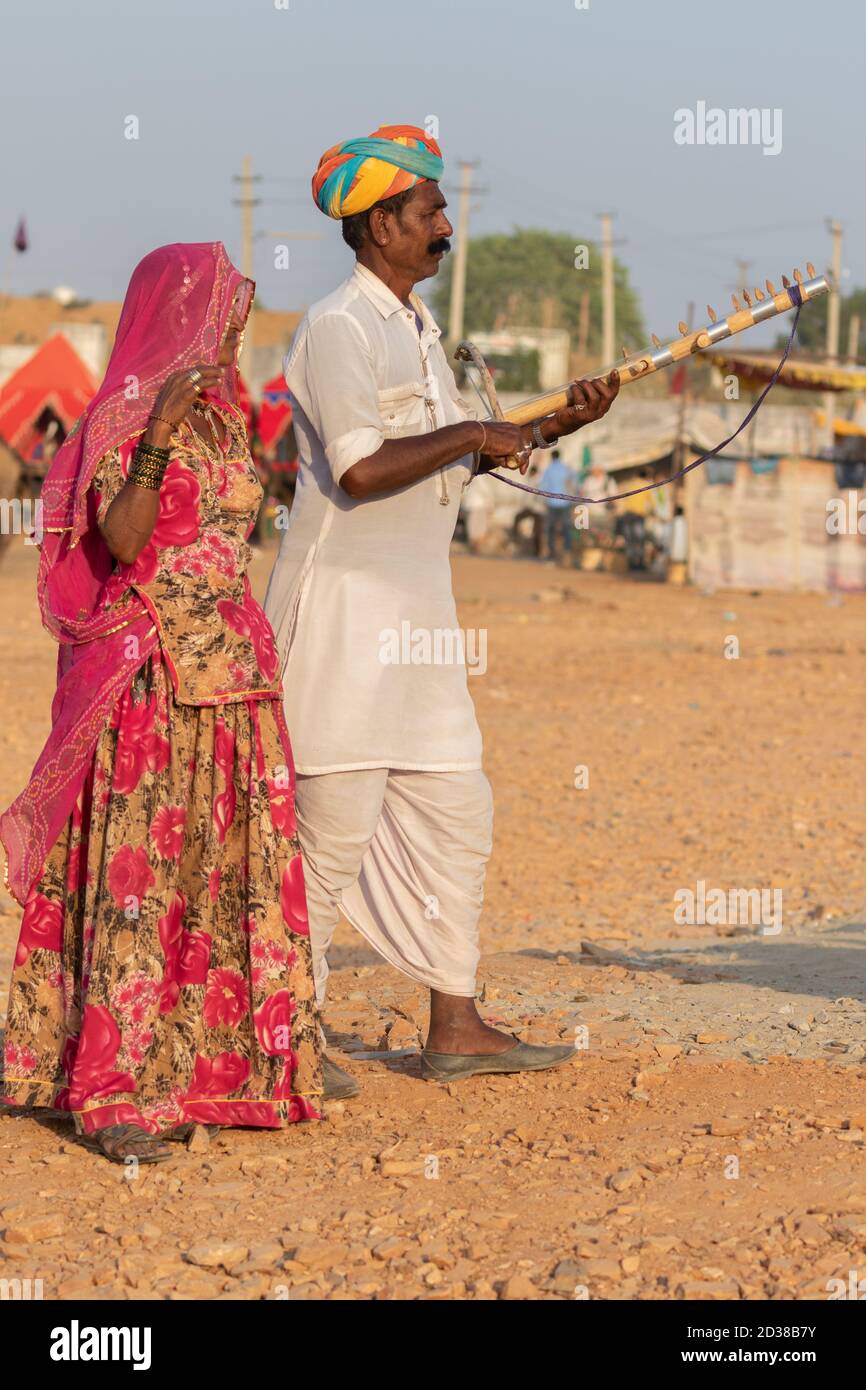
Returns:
<point x="443" y="245"/>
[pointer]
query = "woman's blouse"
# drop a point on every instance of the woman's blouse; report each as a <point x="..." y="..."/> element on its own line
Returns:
<point x="192" y="574"/>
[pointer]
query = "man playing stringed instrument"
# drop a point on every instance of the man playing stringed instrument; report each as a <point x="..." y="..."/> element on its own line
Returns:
<point x="394" y="810"/>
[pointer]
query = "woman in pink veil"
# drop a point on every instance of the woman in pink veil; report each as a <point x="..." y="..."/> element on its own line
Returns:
<point x="163" y="973"/>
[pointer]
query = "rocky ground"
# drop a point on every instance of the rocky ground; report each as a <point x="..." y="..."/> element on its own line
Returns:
<point x="708" y="1140"/>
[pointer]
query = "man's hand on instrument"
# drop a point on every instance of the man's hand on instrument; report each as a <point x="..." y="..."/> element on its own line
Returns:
<point x="590" y="401"/>
<point x="507" y="443"/>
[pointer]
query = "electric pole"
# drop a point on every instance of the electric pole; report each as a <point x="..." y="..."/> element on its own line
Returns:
<point x="608" y="319"/>
<point x="461" y="257"/>
<point x="853" y="337"/>
<point x="833" y="316"/>
<point x="834" y="306"/>
<point x="246" y="202"/>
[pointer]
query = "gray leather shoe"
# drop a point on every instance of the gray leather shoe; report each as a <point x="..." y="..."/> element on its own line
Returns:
<point x="338" y="1084"/>
<point x="453" y="1066"/>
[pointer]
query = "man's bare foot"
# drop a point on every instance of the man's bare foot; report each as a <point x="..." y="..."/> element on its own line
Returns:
<point x="457" y="1029"/>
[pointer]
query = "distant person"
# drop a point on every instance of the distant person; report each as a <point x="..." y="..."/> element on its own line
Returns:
<point x="597" y="485"/>
<point x="477" y="507"/>
<point x="558" y="477"/>
<point x="632" y="522"/>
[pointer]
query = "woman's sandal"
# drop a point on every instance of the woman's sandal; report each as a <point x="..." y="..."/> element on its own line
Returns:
<point x="119" y="1143"/>
<point x="182" y="1134"/>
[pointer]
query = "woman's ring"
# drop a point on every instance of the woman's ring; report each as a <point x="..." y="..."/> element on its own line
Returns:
<point x="195" y="377"/>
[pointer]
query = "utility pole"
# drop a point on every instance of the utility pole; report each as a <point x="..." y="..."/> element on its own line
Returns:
<point x="834" y="305"/>
<point x="583" y="331"/>
<point x="246" y="202"/>
<point x="833" y="316"/>
<point x="608" y="321"/>
<point x="461" y="257"/>
<point x="853" y="337"/>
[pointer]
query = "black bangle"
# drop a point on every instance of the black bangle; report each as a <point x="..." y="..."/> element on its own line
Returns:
<point x="150" y="453"/>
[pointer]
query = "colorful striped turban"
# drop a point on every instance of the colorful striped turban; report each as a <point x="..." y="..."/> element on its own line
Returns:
<point x="355" y="175"/>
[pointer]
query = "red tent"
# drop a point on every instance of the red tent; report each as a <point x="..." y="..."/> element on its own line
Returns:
<point x="54" y="378"/>
<point x="275" y="414"/>
<point x="245" y="404"/>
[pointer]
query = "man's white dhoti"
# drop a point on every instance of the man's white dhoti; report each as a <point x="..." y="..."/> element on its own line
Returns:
<point x="403" y="855"/>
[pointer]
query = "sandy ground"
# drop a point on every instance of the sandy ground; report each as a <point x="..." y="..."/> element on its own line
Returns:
<point x="708" y="1140"/>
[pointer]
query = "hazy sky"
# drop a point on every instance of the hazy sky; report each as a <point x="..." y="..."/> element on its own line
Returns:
<point x="568" y="111"/>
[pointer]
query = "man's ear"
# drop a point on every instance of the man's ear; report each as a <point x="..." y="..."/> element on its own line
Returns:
<point x="378" y="225"/>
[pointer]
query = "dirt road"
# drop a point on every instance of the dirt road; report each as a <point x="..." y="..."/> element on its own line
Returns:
<point x="708" y="1140"/>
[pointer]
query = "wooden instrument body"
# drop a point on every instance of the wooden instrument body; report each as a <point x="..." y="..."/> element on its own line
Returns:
<point x="635" y="366"/>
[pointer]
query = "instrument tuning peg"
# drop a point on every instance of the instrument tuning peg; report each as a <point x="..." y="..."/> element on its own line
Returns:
<point x="759" y="294"/>
<point x="810" y="270"/>
<point x="798" y="276"/>
<point x="624" y="354"/>
<point x="736" y="303"/>
<point x="712" y="313"/>
<point x="771" y="288"/>
<point x="748" y="298"/>
<point x="683" y="327"/>
<point x="657" y="342"/>
<point x="786" y="282"/>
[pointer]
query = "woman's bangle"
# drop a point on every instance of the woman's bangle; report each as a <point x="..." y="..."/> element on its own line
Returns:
<point x="148" y="466"/>
<point x="144" y="475"/>
<point x="162" y="420"/>
<point x="152" y="451"/>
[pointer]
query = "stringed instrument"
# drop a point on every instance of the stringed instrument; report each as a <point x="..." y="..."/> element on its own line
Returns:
<point x="758" y="309"/>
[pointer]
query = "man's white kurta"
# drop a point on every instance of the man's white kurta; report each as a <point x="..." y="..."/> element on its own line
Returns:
<point x="360" y="598"/>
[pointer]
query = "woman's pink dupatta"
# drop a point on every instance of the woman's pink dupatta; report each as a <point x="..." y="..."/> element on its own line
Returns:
<point x="174" y="315"/>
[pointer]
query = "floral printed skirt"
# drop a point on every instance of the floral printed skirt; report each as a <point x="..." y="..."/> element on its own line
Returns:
<point x="163" y="971"/>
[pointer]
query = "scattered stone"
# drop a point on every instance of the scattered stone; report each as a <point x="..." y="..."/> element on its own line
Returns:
<point x="215" y="1254"/>
<point x="400" y="1035"/>
<point x="811" y="1232"/>
<point x="199" y="1140"/>
<point x="22" y="1228"/>
<point x="78" y="1286"/>
<point x="401" y="1168"/>
<point x="517" y="1287"/>
<point x="624" y="1179"/>
<point x="319" y="1255"/>
<point x="694" y="1289"/>
<point x="728" y="1129"/>
<point x="390" y="1249"/>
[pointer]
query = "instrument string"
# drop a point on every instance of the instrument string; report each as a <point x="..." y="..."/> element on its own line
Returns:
<point x="797" y="300"/>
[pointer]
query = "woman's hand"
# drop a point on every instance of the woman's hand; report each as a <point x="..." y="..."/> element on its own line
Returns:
<point x="178" y="393"/>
